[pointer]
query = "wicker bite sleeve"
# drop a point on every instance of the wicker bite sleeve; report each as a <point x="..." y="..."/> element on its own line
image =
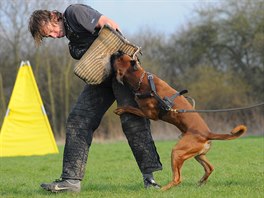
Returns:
<point x="94" y="66"/>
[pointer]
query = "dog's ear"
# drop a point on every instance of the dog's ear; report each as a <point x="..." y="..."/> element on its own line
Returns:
<point x="115" y="56"/>
<point x="134" y="64"/>
<point x="119" y="76"/>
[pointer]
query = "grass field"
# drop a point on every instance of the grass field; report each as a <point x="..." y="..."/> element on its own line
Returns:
<point x="112" y="172"/>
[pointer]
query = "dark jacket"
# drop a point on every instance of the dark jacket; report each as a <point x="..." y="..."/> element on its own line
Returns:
<point x="80" y="25"/>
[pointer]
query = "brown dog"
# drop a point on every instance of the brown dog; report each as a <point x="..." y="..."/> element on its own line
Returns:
<point x="196" y="135"/>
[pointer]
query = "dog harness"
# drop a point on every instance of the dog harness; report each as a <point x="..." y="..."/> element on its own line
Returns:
<point x="167" y="102"/>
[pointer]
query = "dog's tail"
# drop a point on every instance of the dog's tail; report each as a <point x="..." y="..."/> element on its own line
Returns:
<point x="235" y="133"/>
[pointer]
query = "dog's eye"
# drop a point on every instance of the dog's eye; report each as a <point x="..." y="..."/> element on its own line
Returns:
<point x="134" y="64"/>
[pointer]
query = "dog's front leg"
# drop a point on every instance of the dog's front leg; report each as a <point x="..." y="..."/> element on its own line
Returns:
<point x="129" y="109"/>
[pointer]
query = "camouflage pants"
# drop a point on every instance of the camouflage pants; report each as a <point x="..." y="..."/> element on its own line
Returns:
<point x="84" y="119"/>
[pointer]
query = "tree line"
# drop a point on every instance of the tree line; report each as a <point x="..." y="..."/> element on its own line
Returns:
<point x="218" y="57"/>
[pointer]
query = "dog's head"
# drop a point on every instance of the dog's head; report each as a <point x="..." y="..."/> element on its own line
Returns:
<point x="123" y="64"/>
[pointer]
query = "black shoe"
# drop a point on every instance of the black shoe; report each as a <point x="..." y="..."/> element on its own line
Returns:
<point x="63" y="185"/>
<point x="150" y="182"/>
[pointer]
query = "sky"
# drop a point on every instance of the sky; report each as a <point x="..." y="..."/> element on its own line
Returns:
<point x="161" y="15"/>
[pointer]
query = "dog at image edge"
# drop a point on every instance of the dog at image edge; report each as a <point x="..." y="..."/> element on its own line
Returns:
<point x="196" y="136"/>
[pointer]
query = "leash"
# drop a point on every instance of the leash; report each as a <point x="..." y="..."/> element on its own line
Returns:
<point x="216" y="110"/>
<point x="167" y="102"/>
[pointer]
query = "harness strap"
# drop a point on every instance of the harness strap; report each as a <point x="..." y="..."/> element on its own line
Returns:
<point x="167" y="102"/>
<point x="162" y="103"/>
<point x="151" y="82"/>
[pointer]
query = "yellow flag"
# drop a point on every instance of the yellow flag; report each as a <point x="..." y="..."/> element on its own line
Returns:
<point x="26" y="130"/>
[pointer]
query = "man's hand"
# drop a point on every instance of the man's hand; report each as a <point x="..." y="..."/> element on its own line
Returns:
<point x="105" y="20"/>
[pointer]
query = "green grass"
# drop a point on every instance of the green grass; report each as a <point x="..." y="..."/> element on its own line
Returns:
<point x="112" y="172"/>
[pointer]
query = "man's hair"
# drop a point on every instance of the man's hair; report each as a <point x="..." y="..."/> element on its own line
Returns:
<point x="38" y="19"/>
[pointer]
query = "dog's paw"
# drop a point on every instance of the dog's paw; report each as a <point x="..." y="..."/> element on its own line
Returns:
<point x="119" y="111"/>
<point x="165" y="188"/>
<point x="202" y="182"/>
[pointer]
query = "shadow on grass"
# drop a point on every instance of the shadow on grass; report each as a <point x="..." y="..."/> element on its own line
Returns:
<point x="113" y="187"/>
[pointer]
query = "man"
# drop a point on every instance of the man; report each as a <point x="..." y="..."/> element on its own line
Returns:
<point x="81" y="25"/>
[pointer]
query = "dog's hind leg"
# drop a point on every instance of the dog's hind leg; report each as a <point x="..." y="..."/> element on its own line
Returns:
<point x="176" y="164"/>
<point x="186" y="148"/>
<point x="208" y="168"/>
